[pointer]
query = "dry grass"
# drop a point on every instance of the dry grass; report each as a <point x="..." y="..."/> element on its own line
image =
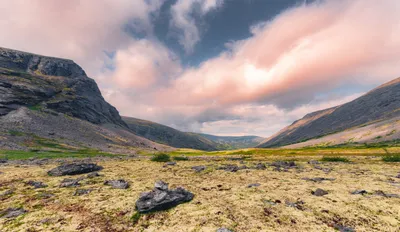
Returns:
<point x="222" y="199"/>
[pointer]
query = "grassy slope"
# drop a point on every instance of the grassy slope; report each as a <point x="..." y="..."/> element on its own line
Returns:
<point x="167" y="135"/>
<point x="232" y="142"/>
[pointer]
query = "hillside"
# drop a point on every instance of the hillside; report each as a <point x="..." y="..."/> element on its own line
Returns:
<point x="50" y="104"/>
<point x="166" y="135"/>
<point x="233" y="142"/>
<point x="381" y="103"/>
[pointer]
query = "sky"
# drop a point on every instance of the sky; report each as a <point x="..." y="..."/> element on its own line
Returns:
<point x="223" y="67"/>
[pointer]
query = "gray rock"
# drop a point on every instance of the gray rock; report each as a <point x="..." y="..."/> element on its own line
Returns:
<point x="224" y="230"/>
<point x="67" y="183"/>
<point x="298" y="204"/>
<point x="398" y="176"/>
<point x="284" y="164"/>
<point x="199" y="168"/>
<point x="162" y="198"/>
<point x="313" y="162"/>
<point x="260" y="166"/>
<point x="3" y="161"/>
<point x="6" y="194"/>
<point x="80" y="192"/>
<point x="253" y="185"/>
<point x="36" y="184"/>
<point x="361" y="192"/>
<point x="231" y="168"/>
<point x="318" y="179"/>
<point x="172" y="163"/>
<point x="388" y="195"/>
<point x="93" y="175"/>
<point x="342" y="228"/>
<point x="12" y="212"/>
<point x="74" y="169"/>
<point x="117" y="184"/>
<point x="319" y="192"/>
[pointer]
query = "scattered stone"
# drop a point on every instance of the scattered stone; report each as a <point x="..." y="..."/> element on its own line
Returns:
<point x="12" y="212"/>
<point x="318" y="179"/>
<point x="388" y="195"/>
<point x="161" y="198"/>
<point x="253" y="185"/>
<point x="36" y="184"/>
<point x="313" y="162"/>
<point x="236" y="158"/>
<point x="199" y="168"/>
<point x="319" y="192"/>
<point x="231" y="168"/>
<point x="342" y="228"/>
<point x="260" y="166"/>
<point x="326" y="170"/>
<point x="172" y="163"/>
<point x="398" y="176"/>
<point x="271" y="202"/>
<point x="298" y="204"/>
<point x="67" y="183"/>
<point x="224" y="230"/>
<point x="44" y="195"/>
<point x="80" y="192"/>
<point x="284" y="164"/>
<point x="74" y="169"/>
<point x="93" y="175"/>
<point x="117" y="184"/>
<point x="361" y="192"/>
<point x="3" y="161"/>
<point x="6" y="194"/>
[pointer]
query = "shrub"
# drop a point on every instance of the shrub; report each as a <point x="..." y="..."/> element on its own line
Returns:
<point x="181" y="158"/>
<point x="135" y="218"/>
<point x="391" y="158"/>
<point x="161" y="158"/>
<point x="335" y="159"/>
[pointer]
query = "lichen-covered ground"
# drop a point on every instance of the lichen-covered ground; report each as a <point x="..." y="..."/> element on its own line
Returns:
<point x="282" y="202"/>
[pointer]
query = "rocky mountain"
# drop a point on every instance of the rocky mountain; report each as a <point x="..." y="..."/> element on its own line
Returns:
<point x="233" y="142"/>
<point x="49" y="103"/>
<point x="166" y="135"/>
<point x="380" y="104"/>
<point x="58" y="84"/>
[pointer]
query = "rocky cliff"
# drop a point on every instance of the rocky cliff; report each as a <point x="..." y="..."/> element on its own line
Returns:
<point x="60" y="85"/>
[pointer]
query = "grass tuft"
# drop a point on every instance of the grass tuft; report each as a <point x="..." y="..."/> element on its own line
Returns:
<point x="334" y="159"/>
<point x="180" y="158"/>
<point x="135" y="218"/>
<point x="391" y="158"/>
<point x="161" y="158"/>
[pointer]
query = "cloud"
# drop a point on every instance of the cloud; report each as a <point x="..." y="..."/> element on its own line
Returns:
<point x="184" y="21"/>
<point x="74" y="29"/>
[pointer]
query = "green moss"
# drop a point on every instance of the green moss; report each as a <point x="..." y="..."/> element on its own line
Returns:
<point x="391" y="158"/>
<point x="334" y="159"/>
<point x="35" y="107"/>
<point x="135" y="218"/>
<point x="161" y="158"/>
<point x="16" y="133"/>
<point x="180" y="158"/>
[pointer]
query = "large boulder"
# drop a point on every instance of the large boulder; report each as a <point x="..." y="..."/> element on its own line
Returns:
<point x="74" y="169"/>
<point x="162" y="198"/>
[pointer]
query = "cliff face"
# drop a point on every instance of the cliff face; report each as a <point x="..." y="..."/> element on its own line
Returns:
<point x="40" y="82"/>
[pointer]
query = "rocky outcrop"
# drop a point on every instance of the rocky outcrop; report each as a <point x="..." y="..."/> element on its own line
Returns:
<point x="60" y="85"/>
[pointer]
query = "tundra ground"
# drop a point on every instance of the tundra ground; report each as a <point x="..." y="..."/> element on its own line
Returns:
<point x="282" y="202"/>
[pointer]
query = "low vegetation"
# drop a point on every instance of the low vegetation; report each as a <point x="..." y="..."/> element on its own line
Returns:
<point x="334" y="159"/>
<point x="180" y="158"/>
<point x="391" y="158"/>
<point x="161" y="158"/>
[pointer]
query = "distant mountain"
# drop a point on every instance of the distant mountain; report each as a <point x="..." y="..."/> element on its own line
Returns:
<point x="380" y="104"/>
<point x="49" y="103"/>
<point x="166" y="135"/>
<point x="233" y="142"/>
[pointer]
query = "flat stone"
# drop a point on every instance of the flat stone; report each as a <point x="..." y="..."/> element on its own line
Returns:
<point x="361" y="192"/>
<point x="319" y="192"/>
<point x="36" y="184"/>
<point x="260" y="166"/>
<point x="117" y="184"/>
<point x="253" y="185"/>
<point x="318" y="179"/>
<point x="93" y="175"/>
<point x="80" y="192"/>
<point x="224" y="230"/>
<point x="74" y="169"/>
<point x="342" y="228"/>
<point x="199" y="168"/>
<point x="67" y="183"/>
<point x="12" y="212"/>
<point x="162" y="198"/>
